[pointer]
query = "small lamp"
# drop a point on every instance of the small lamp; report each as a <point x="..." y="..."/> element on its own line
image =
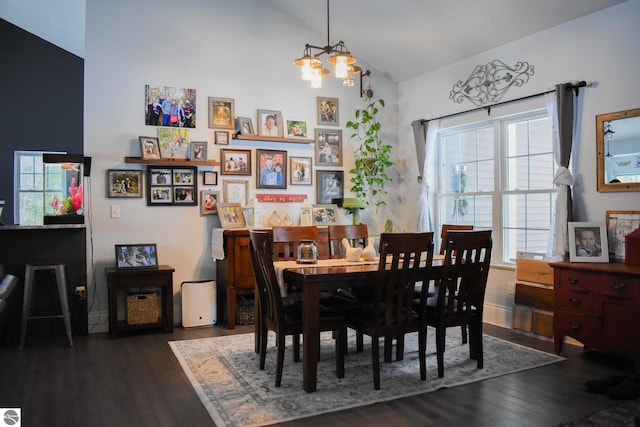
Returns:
<point x="253" y="214"/>
<point x="353" y="206"/>
<point x="306" y="213"/>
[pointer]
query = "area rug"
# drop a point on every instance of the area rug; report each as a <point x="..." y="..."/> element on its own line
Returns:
<point x="225" y="373"/>
<point x="622" y="414"/>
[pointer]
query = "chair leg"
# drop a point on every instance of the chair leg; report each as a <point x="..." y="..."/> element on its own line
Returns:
<point x="296" y="348"/>
<point x="375" y="358"/>
<point x="422" y="353"/>
<point x="400" y="347"/>
<point x="280" y="358"/>
<point x="388" y="348"/>
<point x="475" y="343"/>
<point x="359" y="342"/>
<point x="263" y="346"/>
<point x="440" y="339"/>
<point x="464" y="333"/>
<point x="341" y="347"/>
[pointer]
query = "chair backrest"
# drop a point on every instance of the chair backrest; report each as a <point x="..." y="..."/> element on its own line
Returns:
<point x="404" y="259"/>
<point x="454" y="227"/>
<point x="287" y="238"/>
<point x="462" y="284"/>
<point x="356" y="234"/>
<point x="270" y="299"/>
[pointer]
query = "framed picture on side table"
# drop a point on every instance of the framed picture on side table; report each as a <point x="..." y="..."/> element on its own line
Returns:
<point x="588" y="242"/>
<point x="619" y="224"/>
<point x="231" y="215"/>
<point x="149" y="147"/>
<point x="324" y="214"/>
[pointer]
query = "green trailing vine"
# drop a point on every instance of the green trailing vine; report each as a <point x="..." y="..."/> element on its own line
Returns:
<point x="372" y="156"/>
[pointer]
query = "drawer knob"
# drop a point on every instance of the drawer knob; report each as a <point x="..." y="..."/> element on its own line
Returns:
<point x="575" y="302"/>
<point x="618" y="286"/>
<point x="573" y="280"/>
<point x="575" y="325"/>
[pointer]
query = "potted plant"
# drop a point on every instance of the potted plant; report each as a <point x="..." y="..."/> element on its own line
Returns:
<point x="372" y="156"/>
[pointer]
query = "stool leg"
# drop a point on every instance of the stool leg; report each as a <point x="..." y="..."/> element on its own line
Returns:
<point x="26" y="304"/>
<point x="64" y="303"/>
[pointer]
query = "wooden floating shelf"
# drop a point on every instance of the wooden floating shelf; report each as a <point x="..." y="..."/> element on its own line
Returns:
<point x="272" y="139"/>
<point x="172" y="162"/>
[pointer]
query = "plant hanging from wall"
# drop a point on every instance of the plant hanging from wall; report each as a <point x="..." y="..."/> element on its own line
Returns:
<point x="372" y="156"/>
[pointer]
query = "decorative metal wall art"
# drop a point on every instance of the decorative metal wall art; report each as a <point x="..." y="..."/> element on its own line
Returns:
<point x="488" y="83"/>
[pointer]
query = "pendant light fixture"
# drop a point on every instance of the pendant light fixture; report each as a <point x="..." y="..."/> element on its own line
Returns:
<point x="310" y="64"/>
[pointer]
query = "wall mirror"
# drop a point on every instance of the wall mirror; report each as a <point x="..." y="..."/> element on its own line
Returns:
<point x="618" y="147"/>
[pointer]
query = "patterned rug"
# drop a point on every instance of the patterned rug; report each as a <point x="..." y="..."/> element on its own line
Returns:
<point x="622" y="414"/>
<point x="224" y="372"/>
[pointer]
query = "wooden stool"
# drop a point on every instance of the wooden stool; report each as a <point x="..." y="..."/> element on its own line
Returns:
<point x="30" y="273"/>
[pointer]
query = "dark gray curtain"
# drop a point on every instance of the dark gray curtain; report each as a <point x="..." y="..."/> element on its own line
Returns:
<point x="565" y="99"/>
<point x="420" y="136"/>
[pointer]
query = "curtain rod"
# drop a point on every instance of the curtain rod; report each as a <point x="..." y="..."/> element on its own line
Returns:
<point x="574" y="85"/>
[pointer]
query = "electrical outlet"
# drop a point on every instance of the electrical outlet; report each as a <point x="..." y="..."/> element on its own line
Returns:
<point x="115" y="211"/>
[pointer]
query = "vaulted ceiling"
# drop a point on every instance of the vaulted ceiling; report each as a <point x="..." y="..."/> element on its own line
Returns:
<point x="406" y="38"/>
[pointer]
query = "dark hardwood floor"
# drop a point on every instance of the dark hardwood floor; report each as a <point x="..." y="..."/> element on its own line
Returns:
<point x="136" y="381"/>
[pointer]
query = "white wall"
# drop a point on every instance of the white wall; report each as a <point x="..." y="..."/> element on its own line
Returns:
<point x="240" y="50"/>
<point x="601" y="47"/>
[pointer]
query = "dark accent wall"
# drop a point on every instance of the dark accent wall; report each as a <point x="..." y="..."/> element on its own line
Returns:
<point x="41" y="102"/>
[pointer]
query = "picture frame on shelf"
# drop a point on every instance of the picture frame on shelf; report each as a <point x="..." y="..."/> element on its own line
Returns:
<point x="209" y="178"/>
<point x="270" y="123"/>
<point x="300" y="170"/>
<point x="221" y="113"/>
<point x="149" y="148"/>
<point x="244" y="125"/>
<point x="588" y="242"/>
<point x="235" y="191"/>
<point x="209" y="202"/>
<point x="221" y="137"/>
<point x="328" y="111"/>
<point x="124" y="183"/>
<point x="172" y="186"/>
<point x="231" y="215"/>
<point x="271" y="168"/>
<point x="134" y="256"/>
<point x="198" y="151"/>
<point x="619" y="225"/>
<point x="328" y="147"/>
<point x="235" y="162"/>
<point x="174" y="143"/>
<point x="324" y="214"/>
<point x="297" y="129"/>
<point x="329" y="185"/>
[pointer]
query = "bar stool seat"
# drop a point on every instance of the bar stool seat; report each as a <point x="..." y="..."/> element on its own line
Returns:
<point x="59" y="269"/>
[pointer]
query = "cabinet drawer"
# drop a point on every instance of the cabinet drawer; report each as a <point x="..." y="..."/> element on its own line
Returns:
<point x="577" y="280"/>
<point x="579" y="325"/>
<point x="574" y="300"/>
<point x="616" y="286"/>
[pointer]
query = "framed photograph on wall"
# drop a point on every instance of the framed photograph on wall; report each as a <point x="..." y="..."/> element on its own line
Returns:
<point x="329" y="186"/>
<point x="221" y="113"/>
<point x="174" y="143"/>
<point x="270" y="123"/>
<point x="231" y="215"/>
<point x="328" y="147"/>
<point x="159" y="100"/>
<point x="588" y="242"/>
<point x="209" y="202"/>
<point x="324" y="214"/>
<point x="209" y="178"/>
<point x="244" y="125"/>
<point x="619" y="224"/>
<point x="328" y="111"/>
<point x="296" y="129"/>
<point x="198" y="151"/>
<point x="171" y="186"/>
<point x="149" y="148"/>
<point x="272" y="169"/>
<point x="235" y="162"/>
<point x="235" y="191"/>
<point x="124" y="183"/>
<point x="300" y="171"/>
<point x="221" y="137"/>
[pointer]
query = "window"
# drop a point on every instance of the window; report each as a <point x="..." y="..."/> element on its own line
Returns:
<point x="498" y="174"/>
<point x="29" y="186"/>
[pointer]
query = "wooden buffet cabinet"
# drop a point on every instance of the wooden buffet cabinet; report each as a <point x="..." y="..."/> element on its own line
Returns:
<point x="597" y="304"/>
<point x="234" y="274"/>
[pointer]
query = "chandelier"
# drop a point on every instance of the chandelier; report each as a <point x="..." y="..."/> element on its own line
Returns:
<point x="310" y="64"/>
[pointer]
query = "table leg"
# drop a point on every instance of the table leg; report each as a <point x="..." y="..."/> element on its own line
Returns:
<point x="311" y="336"/>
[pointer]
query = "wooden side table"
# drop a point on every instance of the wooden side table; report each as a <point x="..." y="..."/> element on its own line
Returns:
<point x="139" y="279"/>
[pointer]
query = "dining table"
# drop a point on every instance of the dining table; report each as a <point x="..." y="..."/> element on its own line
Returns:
<point x="325" y="275"/>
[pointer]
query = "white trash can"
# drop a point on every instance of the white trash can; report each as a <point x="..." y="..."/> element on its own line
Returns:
<point x="198" y="303"/>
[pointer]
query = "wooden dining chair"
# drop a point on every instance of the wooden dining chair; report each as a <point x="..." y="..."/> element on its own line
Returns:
<point x="454" y="227"/>
<point x="282" y="316"/>
<point x="287" y="238"/>
<point x="404" y="257"/>
<point x="357" y="236"/>
<point x="461" y="289"/>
